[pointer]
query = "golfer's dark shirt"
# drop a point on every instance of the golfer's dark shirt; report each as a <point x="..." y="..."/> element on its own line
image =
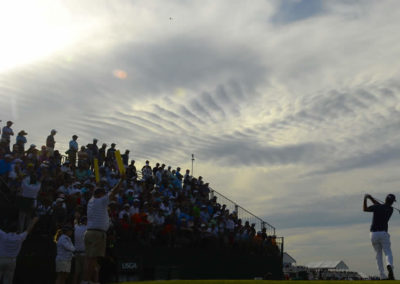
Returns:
<point x="382" y="214"/>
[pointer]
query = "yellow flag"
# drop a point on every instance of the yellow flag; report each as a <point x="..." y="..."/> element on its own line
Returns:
<point x="121" y="167"/>
<point x="96" y="170"/>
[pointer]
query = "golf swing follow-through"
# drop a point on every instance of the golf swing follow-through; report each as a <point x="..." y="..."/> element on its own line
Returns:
<point x="380" y="237"/>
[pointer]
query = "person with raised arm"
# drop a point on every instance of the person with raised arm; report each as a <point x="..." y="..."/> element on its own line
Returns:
<point x="10" y="246"/>
<point x="98" y="222"/>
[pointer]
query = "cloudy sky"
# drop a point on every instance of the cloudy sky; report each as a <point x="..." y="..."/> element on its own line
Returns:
<point x="290" y="107"/>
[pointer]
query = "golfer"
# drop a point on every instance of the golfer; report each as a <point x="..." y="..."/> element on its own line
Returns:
<point x="97" y="226"/>
<point x="380" y="237"/>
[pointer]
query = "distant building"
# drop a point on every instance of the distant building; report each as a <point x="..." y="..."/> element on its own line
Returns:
<point x="324" y="265"/>
<point x="320" y="270"/>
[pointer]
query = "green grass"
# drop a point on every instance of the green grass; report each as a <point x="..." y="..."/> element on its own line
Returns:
<point x="252" y="282"/>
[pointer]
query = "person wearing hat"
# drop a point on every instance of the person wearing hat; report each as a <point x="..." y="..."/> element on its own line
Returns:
<point x="98" y="221"/>
<point x="65" y="252"/>
<point x="380" y="237"/>
<point x="73" y="149"/>
<point x="21" y="141"/>
<point x="51" y="143"/>
<point x="32" y="150"/>
<point x="110" y="159"/>
<point x="5" y="135"/>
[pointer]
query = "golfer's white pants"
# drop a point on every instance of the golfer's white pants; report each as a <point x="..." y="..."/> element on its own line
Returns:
<point x="381" y="243"/>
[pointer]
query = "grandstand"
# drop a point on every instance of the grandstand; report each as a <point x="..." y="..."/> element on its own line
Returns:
<point x="164" y="225"/>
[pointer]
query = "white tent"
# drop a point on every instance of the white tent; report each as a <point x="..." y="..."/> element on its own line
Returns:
<point x="287" y="259"/>
<point x="337" y="264"/>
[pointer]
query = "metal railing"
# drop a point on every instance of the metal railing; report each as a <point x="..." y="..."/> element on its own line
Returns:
<point x="243" y="213"/>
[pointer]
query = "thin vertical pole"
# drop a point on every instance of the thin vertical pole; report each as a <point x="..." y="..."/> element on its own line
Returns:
<point x="192" y="164"/>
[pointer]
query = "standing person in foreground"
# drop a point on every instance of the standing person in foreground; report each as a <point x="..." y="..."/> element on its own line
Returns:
<point x="98" y="222"/>
<point x="65" y="252"/>
<point x="10" y="246"/>
<point x="380" y="237"/>
<point x="79" y="237"/>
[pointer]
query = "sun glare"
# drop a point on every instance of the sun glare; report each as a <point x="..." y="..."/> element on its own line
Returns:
<point x="32" y="30"/>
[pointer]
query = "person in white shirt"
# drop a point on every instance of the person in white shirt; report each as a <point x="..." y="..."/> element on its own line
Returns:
<point x="158" y="217"/>
<point x="166" y="207"/>
<point x="65" y="252"/>
<point x="10" y="246"/>
<point x="98" y="222"/>
<point x="79" y="238"/>
<point x="30" y="188"/>
<point x="135" y="208"/>
<point x="125" y="211"/>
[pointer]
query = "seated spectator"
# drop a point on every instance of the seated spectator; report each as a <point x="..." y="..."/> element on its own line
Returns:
<point x="82" y="173"/>
<point x="5" y="165"/>
<point x="32" y="150"/>
<point x="43" y="155"/>
<point x="124" y="211"/>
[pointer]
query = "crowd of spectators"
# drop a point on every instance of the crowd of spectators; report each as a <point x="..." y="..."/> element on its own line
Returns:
<point x="157" y="204"/>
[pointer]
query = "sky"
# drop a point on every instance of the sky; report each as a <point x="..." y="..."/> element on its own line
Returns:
<point x="290" y="107"/>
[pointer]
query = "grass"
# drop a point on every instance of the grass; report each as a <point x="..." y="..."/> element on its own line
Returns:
<point x="252" y="282"/>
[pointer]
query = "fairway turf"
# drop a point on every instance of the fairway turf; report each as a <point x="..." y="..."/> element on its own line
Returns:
<point x="252" y="282"/>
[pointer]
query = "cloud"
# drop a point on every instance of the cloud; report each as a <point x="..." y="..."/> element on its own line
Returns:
<point x="290" y="11"/>
<point x="234" y="150"/>
<point x="320" y="211"/>
<point x="378" y="157"/>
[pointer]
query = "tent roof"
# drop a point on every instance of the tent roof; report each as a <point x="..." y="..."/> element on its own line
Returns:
<point x="287" y="258"/>
<point x="336" y="264"/>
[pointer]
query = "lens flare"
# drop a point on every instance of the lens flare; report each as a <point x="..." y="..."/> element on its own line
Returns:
<point x="120" y="74"/>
